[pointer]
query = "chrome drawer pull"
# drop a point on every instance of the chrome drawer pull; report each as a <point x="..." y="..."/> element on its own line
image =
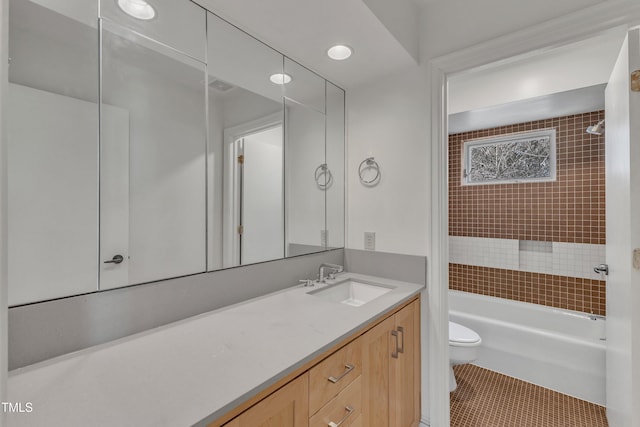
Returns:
<point x="349" y="369"/>
<point x="349" y="410"/>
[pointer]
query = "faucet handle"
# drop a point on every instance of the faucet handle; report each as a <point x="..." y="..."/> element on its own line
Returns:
<point x="306" y="282"/>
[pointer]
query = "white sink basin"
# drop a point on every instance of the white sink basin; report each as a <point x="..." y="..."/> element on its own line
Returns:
<point x="351" y="292"/>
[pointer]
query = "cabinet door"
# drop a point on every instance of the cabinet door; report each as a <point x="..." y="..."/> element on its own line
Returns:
<point x="376" y="359"/>
<point x="404" y="384"/>
<point x="287" y="407"/>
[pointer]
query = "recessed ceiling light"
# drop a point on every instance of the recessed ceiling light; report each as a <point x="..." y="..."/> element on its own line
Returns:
<point x="280" y="78"/>
<point x="139" y="9"/>
<point x="339" y="52"/>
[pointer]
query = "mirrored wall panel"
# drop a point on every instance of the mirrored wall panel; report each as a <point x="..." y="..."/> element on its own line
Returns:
<point x="52" y="120"/>
<point x="246" y="175"/>
<point x="307" y="176"/>
<point x="153" y="151"/>
<point x="335" y="168"/>
<point x="179" y="24"/>
<point x="152" y="142"/>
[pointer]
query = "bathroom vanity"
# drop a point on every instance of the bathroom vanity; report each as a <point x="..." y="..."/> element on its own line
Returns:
<point x="281" y="355"/>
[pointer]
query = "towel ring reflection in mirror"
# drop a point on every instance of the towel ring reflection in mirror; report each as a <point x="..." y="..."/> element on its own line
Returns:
<point x="369" y="164"/>
<point x="323" y="171"/>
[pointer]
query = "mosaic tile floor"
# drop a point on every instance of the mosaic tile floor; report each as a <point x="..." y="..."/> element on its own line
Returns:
<point x="488" y="399"/>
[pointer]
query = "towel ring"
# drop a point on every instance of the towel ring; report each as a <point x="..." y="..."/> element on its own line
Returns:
<point x="323" y="170"/>
<point x="369" y="163"/>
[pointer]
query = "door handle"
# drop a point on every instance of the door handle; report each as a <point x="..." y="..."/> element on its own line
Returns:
<point x="117" y="259"/>
<point x="394" y="353"/>
<point x="349" y="411"/>
<point x="348" y="368"/>
<point x="401" y="331"/>
<point x="602" y="268"/>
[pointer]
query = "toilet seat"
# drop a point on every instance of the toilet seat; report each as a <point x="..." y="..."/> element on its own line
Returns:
<point x="461" y="336"/>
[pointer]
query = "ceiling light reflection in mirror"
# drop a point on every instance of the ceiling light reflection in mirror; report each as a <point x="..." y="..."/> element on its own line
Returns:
<point x="280" y="78"/>
<point x="339" y="52"/>
<point x="138" y="9"/>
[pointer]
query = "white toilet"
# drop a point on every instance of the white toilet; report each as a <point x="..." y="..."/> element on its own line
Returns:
<point x="464" y="344"/>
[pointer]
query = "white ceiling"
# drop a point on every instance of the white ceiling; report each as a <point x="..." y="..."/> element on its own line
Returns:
<point x="560" y="104"/>
<point x="577" y="65"/>
<point x="304" y="29"/>
<point x="562" y="81"/>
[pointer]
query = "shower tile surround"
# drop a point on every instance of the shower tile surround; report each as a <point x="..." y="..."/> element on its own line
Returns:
<point x="533" y="242"/>
<point x="559" y="258"/>
<point x="570" y="293"/>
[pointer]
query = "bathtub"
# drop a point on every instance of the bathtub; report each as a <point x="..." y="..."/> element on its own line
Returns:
<point x="558" y="349"/>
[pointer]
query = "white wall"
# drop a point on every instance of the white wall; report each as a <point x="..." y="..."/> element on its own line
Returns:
<point x="389" y="119"/>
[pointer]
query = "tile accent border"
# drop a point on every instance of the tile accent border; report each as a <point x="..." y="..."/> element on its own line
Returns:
<point x="561" y="259"/>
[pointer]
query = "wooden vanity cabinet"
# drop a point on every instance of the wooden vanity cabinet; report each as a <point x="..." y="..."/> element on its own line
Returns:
<point x="286" y="407"/>
<point x="372" y="379"/>
<point x="404" y="384"/>
<point x="391" y="370"/>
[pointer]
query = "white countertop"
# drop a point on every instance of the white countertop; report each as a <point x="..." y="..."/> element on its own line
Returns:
<point x="193" y="371"/>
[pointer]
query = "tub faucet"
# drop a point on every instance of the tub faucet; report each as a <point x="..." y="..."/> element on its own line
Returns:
<point x="334" y="268"/>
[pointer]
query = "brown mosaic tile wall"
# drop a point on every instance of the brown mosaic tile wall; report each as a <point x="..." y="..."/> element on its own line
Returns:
<point x="571" y="209"/>
<point x="555" y="291"/>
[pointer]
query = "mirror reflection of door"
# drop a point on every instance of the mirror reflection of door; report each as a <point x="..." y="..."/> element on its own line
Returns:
<point x="259" y="213"/>
<point x="52" y="150"/>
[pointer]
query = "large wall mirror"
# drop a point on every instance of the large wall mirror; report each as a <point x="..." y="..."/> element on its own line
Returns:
<point x="246" y="148"/>
<point x="142" y="149"/>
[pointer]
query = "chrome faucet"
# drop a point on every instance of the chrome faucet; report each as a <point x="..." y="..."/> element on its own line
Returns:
<point x="334" y="268"/>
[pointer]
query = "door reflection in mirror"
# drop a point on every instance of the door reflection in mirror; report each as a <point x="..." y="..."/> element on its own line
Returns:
<point x="260" y="211"/>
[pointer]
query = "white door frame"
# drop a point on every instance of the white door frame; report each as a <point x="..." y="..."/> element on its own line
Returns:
<point x="574" y="27"/>
<point x="230" y="220"/>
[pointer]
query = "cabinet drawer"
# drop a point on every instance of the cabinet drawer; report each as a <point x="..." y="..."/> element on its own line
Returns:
<point x="343" y="410"/>
<point x="333" y="374"/>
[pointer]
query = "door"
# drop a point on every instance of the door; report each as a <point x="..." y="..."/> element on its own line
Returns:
<point x="404" y="385"/>
<point x="623" y="236"/>
<point x="376" y="358"/>
<point x="287" y="407"/>
<point x="262" y="203"/>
